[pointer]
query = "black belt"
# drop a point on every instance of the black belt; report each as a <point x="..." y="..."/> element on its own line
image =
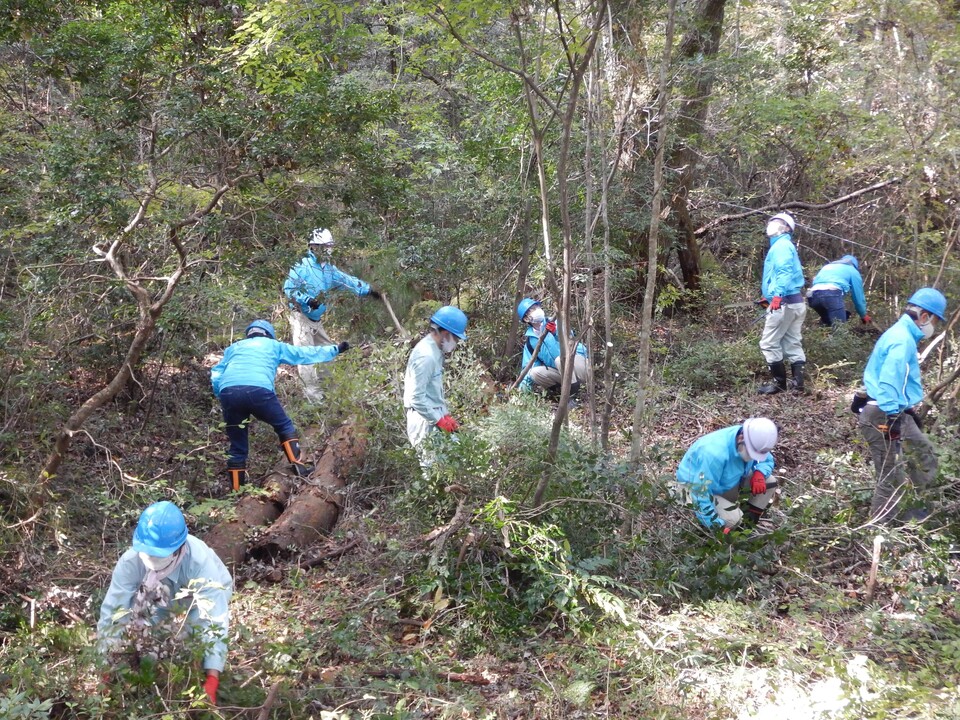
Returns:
<point x="795" y="298"/>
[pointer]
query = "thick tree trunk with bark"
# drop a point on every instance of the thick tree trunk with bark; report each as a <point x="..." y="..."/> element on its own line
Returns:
<point x="700" y="44"/>
<point x="313" y="511"/>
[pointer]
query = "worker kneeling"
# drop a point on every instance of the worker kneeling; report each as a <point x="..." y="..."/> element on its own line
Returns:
<point x="541" y="336"/>
<point x="168" y="571"/>
<point x="720" y="465"/>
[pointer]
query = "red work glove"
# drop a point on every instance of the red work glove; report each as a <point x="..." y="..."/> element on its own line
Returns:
<point x="775" y="303"/>
<point x="552" y="326"/>
<point x="758" y="483"/>
<point x="210" y="687"/>
<point x="866" y="320"/>
<point x="448" y="424"/>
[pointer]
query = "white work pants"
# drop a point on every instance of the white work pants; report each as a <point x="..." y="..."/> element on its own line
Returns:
<point x="782" y="333"/>
<point x="309" y="333"/>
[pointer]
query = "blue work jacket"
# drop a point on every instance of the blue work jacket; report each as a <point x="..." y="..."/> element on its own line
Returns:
<point x="892" y="375"/>
<point x="549" y="351"/>
<point x="712" y="466"/>
<point x="782" y="272"/>
<point x="310" y="277"/>
<point x="254" y="361"/>
<point x="848" y="279"/>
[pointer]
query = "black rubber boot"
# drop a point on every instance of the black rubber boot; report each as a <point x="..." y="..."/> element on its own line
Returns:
<point x="797" y="369"/>
<point x="574" y="402"/>
<point x="779" y="383"/>
<point x="236" y="476"/>
<point x="752" y="515"/>
<point x="291" y="448"/>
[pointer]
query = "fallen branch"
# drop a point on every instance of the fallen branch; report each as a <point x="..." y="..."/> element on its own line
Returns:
<point x="330" y="554"/>
<point x="268" y="703"/>
<point x="700" y="231"/>
<point x="475" y="678"/>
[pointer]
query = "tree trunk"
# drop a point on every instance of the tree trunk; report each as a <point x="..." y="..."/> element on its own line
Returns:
<point x="701" y="43"/>
<point x="653" y="242"/>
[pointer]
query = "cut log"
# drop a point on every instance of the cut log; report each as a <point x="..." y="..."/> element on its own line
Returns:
<point x="229" y="539"/>
<point x="312" y="512"/>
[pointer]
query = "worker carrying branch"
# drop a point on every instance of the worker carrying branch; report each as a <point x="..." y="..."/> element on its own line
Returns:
<point x="307" y="286"/>
<point x="720" y="466"/>
<point x="244" y="384"/>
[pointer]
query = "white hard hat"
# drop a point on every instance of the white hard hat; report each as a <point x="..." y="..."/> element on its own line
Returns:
<point x="321" y="236"/>
<point x="785" y="218"/>
<point x="759" y="437"/>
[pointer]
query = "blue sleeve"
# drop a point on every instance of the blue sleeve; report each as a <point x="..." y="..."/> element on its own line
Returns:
<point x="295" y="287"/>
<point x="892" y="381"/>
<point x="216" y="372"/>
<point x="349" y="282"/>
<point x="293" y="355"/>
<point x="703" y="506"/>
<point x="856" y="292"/>
<point x="528" y="344"/>
<point x="783" y="269"/>
<point x="114" y="611"/>
<point x="766" y="466"/>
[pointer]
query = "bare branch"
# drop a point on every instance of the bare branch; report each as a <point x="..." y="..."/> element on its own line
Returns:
<point x="796" y="205"/>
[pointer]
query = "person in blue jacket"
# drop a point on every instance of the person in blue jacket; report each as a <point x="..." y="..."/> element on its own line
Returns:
<point x="168" y="571"/>
<point x="782" y="289"/>
<point x="721" y="464"/>
<point x="244" y="384"/>
<point x="306" y="288"/>
<point x="887" y="421"/>
<point x="836" y="279"/>
<point x="545" y="373"/>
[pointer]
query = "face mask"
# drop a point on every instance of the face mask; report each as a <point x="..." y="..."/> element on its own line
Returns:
<point x="448" y="345"/>
<point x="536" y="316"/>
<point x="742" y="452"/>
<point x="927" y="329"/>
<point x="156" y="563"/>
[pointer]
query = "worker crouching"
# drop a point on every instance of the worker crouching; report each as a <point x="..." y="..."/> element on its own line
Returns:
<point x="724" y="464"/>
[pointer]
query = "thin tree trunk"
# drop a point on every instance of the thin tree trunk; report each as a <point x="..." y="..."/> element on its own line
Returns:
<point x="643" y="372"/>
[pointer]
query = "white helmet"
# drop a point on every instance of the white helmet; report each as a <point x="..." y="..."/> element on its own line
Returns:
<point x="321" y="236"/>
<point x="759" y="437"/>
<point x="785" y="219"/>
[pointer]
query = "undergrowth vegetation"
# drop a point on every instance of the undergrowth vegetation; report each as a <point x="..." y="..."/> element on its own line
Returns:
<point x="608" y="597"/>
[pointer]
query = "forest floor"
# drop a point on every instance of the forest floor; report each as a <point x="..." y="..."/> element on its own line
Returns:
<point x="780" y="626"/>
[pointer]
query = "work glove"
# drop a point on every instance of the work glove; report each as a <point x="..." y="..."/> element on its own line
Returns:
<point x="448" y="424"/>
<point x="758" y="483"/>
<point x="859" y="402"/>
<point x="343" y="347"/>
<point x="551" y="326"/>
<point x="210" y="687"/>
<point x="866" y="319"/>
<point x="375" y="294"/>
<point x="775" y="302"/>
<point x="314" y="302"/>
<point x="891" y="430"/>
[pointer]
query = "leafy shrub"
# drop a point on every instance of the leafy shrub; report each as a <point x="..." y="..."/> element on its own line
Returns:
<point x="706" y="363"/>
<point x="840" y="353"/>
